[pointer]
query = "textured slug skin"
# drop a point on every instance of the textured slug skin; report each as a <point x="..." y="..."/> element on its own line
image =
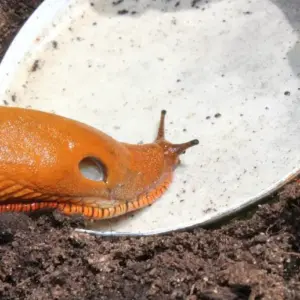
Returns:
<point x="39" y="166"/>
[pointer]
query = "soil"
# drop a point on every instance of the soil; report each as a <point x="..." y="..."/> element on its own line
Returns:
<point x="254" y="257"/>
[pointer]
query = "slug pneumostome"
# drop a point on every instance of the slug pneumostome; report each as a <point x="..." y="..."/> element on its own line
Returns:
<point x="43" y="156"/>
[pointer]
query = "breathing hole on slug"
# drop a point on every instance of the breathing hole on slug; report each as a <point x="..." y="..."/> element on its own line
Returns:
<point x="92" y="168"/>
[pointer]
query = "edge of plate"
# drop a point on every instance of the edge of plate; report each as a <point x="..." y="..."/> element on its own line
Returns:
<point x="26" y="36"/>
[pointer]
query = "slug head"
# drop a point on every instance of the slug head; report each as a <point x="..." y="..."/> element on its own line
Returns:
<point x="171" y="151"/>
<point x="146" y="169"/>
<point x="148" y="164"/>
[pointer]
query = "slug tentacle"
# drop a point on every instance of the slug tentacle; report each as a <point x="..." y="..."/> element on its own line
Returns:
<point x="181" y="148"/>
<point x="161" y="128"/>
<point x="171" y="151"/>
<point x="46" y="160"/>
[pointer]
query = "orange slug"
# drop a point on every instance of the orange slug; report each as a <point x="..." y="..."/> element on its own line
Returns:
<point x="43" y="155"/>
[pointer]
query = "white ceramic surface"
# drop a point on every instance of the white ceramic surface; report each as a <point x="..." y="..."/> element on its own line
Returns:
<point x="226" y="72"/>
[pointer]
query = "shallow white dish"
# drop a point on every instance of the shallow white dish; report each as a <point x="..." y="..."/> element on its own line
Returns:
<point x="217" y="68"/>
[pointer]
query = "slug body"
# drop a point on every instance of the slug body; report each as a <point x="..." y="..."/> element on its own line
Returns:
<point x="41" y="155"/>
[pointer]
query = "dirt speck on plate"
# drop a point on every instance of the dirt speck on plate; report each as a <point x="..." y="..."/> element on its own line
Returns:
<point x="35" y="66"/>
<point x="254" y="257"/>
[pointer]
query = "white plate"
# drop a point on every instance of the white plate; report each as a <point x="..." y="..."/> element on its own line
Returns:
<point x="115" y="66"/>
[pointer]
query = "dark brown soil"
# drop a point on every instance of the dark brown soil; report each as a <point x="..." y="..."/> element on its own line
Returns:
<point x="254" y="258"/>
